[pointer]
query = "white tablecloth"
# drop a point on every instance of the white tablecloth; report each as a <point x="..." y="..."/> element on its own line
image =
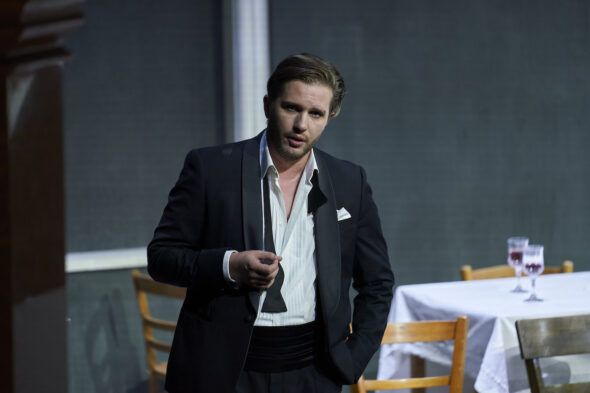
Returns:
<point x="493" y="357"/>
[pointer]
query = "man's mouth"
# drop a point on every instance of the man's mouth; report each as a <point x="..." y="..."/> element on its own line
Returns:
<point x="295" y="141"/>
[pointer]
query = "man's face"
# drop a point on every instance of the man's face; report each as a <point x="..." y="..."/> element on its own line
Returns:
<point x="296" y="119"/>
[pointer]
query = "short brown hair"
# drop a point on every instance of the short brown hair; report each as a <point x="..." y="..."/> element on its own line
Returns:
<point x="308" y="69"/>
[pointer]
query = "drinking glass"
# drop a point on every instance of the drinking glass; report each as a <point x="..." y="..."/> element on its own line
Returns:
<point x="516" y="245"/>
<point x="534" y="265"/>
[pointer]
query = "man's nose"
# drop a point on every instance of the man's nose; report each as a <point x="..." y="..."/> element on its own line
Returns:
<point x="300" y="122"/>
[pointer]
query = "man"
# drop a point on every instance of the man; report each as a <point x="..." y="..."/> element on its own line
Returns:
<point x="267" y="234"/>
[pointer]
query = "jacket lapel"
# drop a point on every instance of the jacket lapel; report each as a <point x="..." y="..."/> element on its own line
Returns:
<point x="252" y="203"/>
<point x="327" y="242"/>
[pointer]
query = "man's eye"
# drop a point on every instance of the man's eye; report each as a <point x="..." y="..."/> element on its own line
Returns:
<point x="316" y="115"/>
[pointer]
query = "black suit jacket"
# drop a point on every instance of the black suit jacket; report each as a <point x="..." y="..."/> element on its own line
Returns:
<point x="216" y="206"/>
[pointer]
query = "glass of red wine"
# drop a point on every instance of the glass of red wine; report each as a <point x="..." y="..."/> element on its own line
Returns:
<point x="534" y="264"/>
<point x="516" y="246"/>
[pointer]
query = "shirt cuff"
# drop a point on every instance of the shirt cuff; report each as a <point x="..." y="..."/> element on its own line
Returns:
<point x="226" y="266"/>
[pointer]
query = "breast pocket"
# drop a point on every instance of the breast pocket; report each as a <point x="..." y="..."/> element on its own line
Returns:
<point x="346" y="225"/>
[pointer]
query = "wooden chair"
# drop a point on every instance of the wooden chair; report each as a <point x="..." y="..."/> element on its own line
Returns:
<point x="424" y="331"/>
<point x="501" y="271"/>
<point x="144" y="286"/>
<point x="548" y="337"/>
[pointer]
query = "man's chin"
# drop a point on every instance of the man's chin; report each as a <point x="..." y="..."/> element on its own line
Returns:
<point x="294" y="154"/>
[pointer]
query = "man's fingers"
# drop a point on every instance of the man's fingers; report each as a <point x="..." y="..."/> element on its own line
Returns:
<point x="253" y="275"/>
<point x="262" y="276"/>
<point x="267" y="255"/>
<point x="264" y="284"/>
<point x="254" y="268"/>
<point x="261" y="267"/>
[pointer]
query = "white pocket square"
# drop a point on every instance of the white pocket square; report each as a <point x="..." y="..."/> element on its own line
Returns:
<point x="343" y="214"/>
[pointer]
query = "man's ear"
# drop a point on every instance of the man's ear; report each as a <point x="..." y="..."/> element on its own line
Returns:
<point x="266" y="104"/>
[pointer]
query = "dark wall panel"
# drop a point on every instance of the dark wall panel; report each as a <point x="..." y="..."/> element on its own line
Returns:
<point x="142" y="89"/>
<point x="471" y="118"/>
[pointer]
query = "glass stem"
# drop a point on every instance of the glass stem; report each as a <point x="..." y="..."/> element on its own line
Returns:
<point x="533" y="285"/>
<point x="518" y="271"/>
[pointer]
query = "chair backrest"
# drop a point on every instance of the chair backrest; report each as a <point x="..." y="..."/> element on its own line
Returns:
<point x="144" y="286"/>
<point x="548" y="337"/>
<point x="501" y="271"/>
<point x="424" y="331"/>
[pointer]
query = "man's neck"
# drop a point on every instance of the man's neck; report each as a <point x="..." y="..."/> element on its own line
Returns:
<point x="290" y="172"/>
<point x="289" y="169"/>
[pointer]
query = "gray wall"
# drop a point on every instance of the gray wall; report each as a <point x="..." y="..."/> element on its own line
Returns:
<point x="471" y="118"/>
<point x="143" y="88"/>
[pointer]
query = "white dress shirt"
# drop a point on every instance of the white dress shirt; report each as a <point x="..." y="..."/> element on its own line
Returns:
<point x="294" y="241"/>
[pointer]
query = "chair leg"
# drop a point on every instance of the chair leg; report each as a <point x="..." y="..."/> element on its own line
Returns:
<point x="154" y="384"/>
<point x="359" y="387"/>
<point x="418" y="370"/>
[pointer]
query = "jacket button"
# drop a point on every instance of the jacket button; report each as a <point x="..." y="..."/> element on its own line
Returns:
<point x="249" y="318"/>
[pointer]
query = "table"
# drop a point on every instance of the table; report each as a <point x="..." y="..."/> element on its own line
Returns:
<point x="493" y="357"/>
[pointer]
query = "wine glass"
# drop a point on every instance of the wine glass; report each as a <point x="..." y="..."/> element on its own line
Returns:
<point x="516" y="245"/>
<point x="534" y="265"/>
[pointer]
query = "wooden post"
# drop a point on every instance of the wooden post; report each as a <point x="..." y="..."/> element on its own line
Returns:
<point x="32" y="292"/>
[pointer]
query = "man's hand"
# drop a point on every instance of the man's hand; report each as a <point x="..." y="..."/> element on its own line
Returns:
<point x="256" y="269"/>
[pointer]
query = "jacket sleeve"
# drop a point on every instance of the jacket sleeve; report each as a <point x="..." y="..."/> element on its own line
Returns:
<point x="175" y="254"/>
<point x="373" y="280"/>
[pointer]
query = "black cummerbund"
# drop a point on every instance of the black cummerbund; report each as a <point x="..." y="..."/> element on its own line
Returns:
<point x="282" y="348"/>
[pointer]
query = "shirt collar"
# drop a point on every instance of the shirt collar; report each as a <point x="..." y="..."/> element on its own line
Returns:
<point x="266" y="163"/>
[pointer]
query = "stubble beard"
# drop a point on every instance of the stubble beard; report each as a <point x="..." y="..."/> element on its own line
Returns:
<point x="277" y="142"/>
